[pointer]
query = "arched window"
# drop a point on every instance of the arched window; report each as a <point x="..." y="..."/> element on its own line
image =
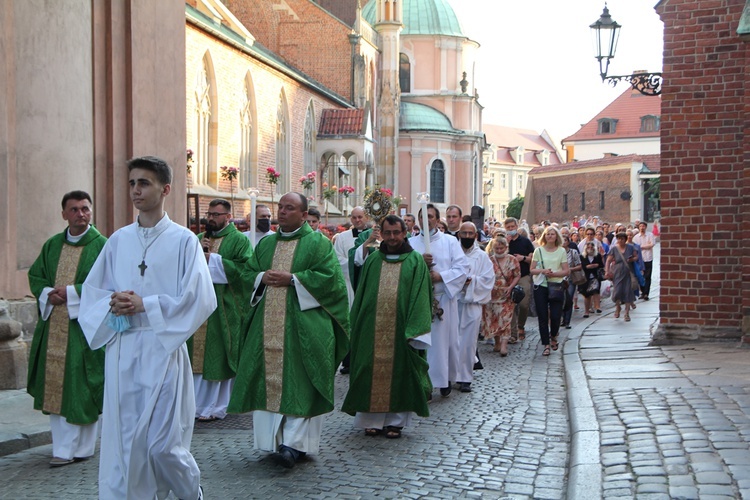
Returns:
<point x="282" y="145"/>
<point x="310" y="144"/>
<point x="404" y="73"/>
<point x="203" y="111"/>
<point x="248" y="175"/>
<point x="437" y="182"/>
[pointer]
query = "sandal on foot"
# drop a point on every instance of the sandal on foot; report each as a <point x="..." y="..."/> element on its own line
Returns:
<point x="210" y="418"/>
<point x="554" y="344"/>
<point x="521" y="334"/>
<point x="373" y="432"/>
<point x="546" y="352"/>
<point x="627" y="317"/>
<point x="393" y="432"/>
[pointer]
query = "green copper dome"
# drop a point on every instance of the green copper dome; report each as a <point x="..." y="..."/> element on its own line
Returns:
<point x="422" y="17"/>
<point x="415" y="116"/>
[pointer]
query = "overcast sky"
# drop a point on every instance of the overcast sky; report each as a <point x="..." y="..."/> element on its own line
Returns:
<point x="537" y="68"/>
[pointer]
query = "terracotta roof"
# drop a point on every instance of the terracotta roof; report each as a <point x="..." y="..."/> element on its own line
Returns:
<point x="342" y="122"/>
<point x="651" y="162"/>
<point x="507" y="139"/>
<point x="627" y="110"/>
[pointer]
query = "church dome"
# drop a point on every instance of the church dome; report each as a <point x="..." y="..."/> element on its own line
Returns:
<point x="415" y="116"/>
<point x="422" y="17"/>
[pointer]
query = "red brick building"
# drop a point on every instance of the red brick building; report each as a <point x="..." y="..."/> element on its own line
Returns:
<point x="705" y="179"/>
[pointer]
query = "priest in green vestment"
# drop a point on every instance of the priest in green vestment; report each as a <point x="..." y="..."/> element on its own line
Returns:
<point x="227" y="251"/>
<point x="294" y="337"/>
<point x="66" y="378"/>
<point x="391" y="320"/>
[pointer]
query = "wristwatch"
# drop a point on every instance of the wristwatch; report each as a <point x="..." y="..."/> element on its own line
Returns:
<point x="291" y="281"/>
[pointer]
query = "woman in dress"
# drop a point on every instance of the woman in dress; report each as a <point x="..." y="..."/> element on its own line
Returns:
<point x="619" y="268"/>
<point x="549" y="264"/>
<point x="592" y="262"/>
<point x="574" y="264"/>
<point x="499" y="311"/>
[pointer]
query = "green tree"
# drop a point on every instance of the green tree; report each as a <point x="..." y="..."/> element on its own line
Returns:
<point x="514" y="207"/>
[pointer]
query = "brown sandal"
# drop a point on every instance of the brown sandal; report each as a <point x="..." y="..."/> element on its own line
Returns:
<point x="554" y="344"/>
<point x="521" y="334"/>
<point x="393" y="432"/>
<point x="546" y="351"/>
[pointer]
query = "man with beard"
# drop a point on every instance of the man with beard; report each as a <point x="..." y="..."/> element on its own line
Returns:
<point x="391" y="321"/>
<point x="226" y="251"/>
<point x="262" y="224"/>
<point x="66" y="377"/>
<point x="294" y="337"/>
<point x="448" y="268"/>
<point x="477" y="290"/>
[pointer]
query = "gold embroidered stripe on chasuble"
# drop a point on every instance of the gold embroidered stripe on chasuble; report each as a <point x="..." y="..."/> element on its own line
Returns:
<point x="274" y="322"/>
<point x="384" y="338"/>
<point x="57" y="337"/>
<point x="199" y="337"/>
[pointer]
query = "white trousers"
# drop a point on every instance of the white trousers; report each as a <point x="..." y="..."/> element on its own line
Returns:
<point x="382" y="420"/>
<point x="271" y="430"/>
<point x="72" y="441"/>
<point x="468" y="333"/>
<point x="211" y="397"/>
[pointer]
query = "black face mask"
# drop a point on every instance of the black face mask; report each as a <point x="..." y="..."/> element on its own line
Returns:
<point x="264" y="225"/>
<point x="467" y="242"/>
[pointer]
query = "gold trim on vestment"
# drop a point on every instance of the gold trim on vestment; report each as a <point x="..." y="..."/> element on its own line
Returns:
<point x="57" y="336"/>
<point x="384" y="338"/>
<point x="274" y="325"/>
<point x="199" y="337"/>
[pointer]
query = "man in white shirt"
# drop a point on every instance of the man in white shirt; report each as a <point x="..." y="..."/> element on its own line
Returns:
<point x="646" y="241"/>
<point x="262" y="225"/>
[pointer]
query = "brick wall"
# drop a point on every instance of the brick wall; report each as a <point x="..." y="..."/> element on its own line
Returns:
<point x="305" y="35"/>
<point x="612" y="181"/>
<point x="704" y="172"/>
<point x="230" y="68"/>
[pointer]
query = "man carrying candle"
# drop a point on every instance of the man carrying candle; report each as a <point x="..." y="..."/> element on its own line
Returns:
<point x="449" y="267"/>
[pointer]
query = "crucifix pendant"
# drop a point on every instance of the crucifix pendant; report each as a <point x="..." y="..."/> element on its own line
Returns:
<point x="142" y="266"/>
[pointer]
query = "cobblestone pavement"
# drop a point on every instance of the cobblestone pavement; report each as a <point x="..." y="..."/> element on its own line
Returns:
<point x="507" y="439"/>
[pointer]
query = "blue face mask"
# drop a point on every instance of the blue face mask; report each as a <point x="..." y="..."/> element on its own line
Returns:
<point x="511" y="233"/>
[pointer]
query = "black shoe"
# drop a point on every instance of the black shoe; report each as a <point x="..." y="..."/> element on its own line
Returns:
<point x="478" y="366"/>
<point x="645" y="297"/>
<point x="287" y="456"/>
<point x="344" y="370"/>
<point x="465" y="386"/>
<point x="445" y="391"/>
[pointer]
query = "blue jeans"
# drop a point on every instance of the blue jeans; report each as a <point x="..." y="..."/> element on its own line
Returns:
<point x="547" y="312"/>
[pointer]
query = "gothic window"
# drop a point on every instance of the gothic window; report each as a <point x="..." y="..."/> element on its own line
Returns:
<point x="549" y="203"/>
<point x="247" y="143"/>
<point x="310" y="144"/>
<point x="606" y="126"/>
<point x="650" y="123"/>
<point x="404" y="73"/>
<point x="565" y="203"/>
<point x="282" y="146"/>
<point x="437" y="182"/>
<point x="583" y="201"/>
<point x="601" y="200"/>
<point x="202" y="124"/>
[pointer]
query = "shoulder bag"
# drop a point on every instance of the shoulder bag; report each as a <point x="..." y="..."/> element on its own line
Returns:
<point x="577" y="277"/>
<point x="556" y="291"/>
<point x="518" y="293"/>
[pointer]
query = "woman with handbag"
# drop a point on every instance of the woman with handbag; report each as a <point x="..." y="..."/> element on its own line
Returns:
<point x="620" y="270"/>
<point x="498" y="313"/>
<point x="549" y="265"/>
<point x="592" y="263"/>
<point x="577" y="277"/>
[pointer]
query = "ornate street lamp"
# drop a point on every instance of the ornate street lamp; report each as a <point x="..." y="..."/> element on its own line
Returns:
<point x="606" y="33"/>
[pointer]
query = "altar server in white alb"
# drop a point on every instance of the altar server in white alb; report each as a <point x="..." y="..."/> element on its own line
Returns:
<point x="448" y="269"/>
<point x="148" y="291"/>
<point x="477" y="291"/>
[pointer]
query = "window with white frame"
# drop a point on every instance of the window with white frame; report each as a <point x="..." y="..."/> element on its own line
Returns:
<point x="309" y="158"/>
<point x="247" y="176"/>
<point x="282" y="145"/>
<point x="203" y="124"/>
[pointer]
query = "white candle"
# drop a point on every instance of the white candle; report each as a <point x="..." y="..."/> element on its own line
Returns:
<point x="253" y="192"/>
<point x="423" y="199"/>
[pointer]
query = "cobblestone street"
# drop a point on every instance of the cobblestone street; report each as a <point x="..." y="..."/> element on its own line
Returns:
<point x="508" y="438"/>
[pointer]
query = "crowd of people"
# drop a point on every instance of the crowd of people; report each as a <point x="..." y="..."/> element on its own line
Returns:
<point x="155" y="328"/>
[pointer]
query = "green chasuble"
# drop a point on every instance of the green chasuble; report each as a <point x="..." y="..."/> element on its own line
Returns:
<point x="210" y="345"/>
<point x="392" y="305"/>
<point x="65" y="376"/>
<point x="286" y="358"/>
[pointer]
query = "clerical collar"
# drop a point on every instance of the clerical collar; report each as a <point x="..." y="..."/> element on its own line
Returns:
<point x="404" y="248"/>
<point x="355" y="232"/>
<point x="75" y="239"/>
<point x="291" y="233"/>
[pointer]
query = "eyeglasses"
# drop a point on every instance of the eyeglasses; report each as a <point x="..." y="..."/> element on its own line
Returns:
<point x="215" y="214"/>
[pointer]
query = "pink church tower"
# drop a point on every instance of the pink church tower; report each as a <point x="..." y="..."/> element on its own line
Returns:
<point x="388" y="23"/>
